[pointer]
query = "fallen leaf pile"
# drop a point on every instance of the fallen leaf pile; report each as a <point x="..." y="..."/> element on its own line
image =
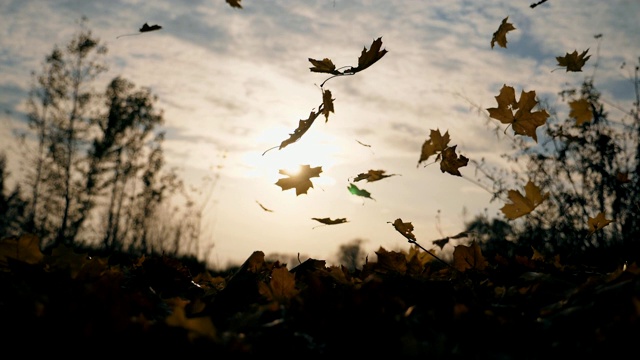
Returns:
<point x="77" y="303"/>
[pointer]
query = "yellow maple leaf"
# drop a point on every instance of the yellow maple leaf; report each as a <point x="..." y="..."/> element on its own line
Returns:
<point x="524" y="122"/>
<point x="500" y="36"/>
<point x="581" y="111"/>
<point x="573" y="62"/>
<point x="522" y="205"/>
<point x="598" y="222"/>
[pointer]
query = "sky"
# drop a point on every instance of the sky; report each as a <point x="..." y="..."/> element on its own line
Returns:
<point x="234" y="82"/>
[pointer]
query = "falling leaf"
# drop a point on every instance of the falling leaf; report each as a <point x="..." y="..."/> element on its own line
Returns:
<point x="573" y="61"/>
<point x="581" y="111"/>
<point x="533" y="5"/>
<point x="303" y="126"/>
<point x="451" y="162"/>
<point x="404" y="228"/>
<point x="328" y="221"/>
<point x="235" y="3"/>
<point x="369" y="57"/>
<point x="441" y="243"/>
<point x="434" y="145"/>
<point x="500" y="36"/>
<point x="264" y="208"/>
<point x="324" y="66"/>
<point x="522" y="205"/>
<point x="469" y="257"/>
<point x="372" y="175"/>
<point x="300" y="181"/>
<point x="598" y="222"/>
<point x="327" y="103"/>
<point x="359" y="192"/>
<point x="145" y="28"/>
<point x="524" y="121"/>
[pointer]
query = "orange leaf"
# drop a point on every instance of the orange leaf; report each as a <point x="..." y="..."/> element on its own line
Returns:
<point x="524" y="121"/>
<point x="500" y="36"/>
<point x="522" y="205"/>
<point x="581" y="111"/>
<point x="598" y="222"/>
<point x="300" y="181"/>
<point x="573" y="62"/>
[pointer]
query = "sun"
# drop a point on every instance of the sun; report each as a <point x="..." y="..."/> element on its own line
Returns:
<point x="313" y="149"/>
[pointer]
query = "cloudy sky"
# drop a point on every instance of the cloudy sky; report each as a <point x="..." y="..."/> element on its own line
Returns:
<point x="235" y="82"/>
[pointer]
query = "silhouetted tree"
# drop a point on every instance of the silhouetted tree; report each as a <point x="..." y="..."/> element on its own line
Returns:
<point x="59" y="114"/>
<point x="12" y="206"/>
<point x="96" y="165"/>
<point x="351" y="255"/>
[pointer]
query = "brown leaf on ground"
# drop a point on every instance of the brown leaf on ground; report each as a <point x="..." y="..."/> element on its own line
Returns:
<point x="25" y="248"/>
<point x="469" y="257"/>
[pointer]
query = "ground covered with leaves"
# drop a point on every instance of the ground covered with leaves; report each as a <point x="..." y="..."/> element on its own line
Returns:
<point x="403" y="304"/>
